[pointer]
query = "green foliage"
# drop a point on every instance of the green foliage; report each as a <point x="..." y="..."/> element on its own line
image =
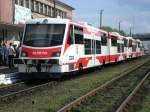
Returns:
<point x="109" y="29"/>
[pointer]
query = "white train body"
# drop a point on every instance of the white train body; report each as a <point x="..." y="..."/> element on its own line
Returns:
<point x="62" y="46"/>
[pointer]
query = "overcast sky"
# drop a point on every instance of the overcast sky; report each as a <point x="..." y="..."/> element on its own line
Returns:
<point x="129" y="12"/>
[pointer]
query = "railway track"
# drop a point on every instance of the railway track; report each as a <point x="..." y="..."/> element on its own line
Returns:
<point x="128" y="100"/>
<point x="15" y="91"/>
<point x="10" y="95"/>
<point x="12" y="88"/>
<point x="110" y="95"/>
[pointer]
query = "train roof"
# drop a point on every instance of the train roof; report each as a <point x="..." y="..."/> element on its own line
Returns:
<point x="129" y="37"/>
<point x="47" y="21"/>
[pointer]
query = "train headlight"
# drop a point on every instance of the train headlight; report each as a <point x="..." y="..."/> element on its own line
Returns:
<point x="23" y="54"/>
<point x="56" y="54"/>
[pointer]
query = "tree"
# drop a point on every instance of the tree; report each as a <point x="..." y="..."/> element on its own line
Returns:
<point x="109" y="29"/>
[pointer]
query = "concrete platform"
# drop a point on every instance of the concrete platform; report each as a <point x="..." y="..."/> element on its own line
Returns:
<point x="6" y="70"/>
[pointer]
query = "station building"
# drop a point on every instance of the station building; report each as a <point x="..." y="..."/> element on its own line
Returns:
<point x="13" y="14"/>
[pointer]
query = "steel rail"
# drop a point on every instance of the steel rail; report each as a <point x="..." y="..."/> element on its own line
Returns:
<point x="10" y="88"/>
<point x="92" y="93"/>
<point x="133" y="93"/>
<point x="8" y="97"/>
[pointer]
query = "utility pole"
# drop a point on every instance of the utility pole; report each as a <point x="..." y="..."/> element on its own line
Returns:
<point x="119" y="25"/>
<point x="130" y="31"/>
<point x="133" y="26"/>
<point x="54" y="15"/>
<point x="101" y="14"/>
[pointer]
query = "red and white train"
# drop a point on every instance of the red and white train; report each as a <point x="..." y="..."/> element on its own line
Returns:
<point x="54" y="46"/>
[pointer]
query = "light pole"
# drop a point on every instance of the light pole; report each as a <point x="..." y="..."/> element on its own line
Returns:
<point x="101" y="14"/>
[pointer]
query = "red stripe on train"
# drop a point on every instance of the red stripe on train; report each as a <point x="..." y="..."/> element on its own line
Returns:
<point x="40" y="53"/>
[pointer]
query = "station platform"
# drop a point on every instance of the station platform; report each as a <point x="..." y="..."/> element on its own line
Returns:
<point x="6" y="70"/>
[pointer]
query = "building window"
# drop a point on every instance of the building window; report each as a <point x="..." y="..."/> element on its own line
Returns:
<point x="45" y="9"/>
<point x="56" y="12"/>
<point x="61" y="14"/>
<point x="52" y="12"/>
<point x="41" y="8"/>
<point x="49" y="11"/>
<point x="27" y="3"/>
<point x="36" y="6"/>
<point x="16" y="1"/>
<point x="65" y="15"/>
<point x="32" y="5"/>
<point x="21" y="3"/>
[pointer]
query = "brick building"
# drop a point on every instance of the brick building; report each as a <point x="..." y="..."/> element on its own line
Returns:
<point x="10" y="30"/>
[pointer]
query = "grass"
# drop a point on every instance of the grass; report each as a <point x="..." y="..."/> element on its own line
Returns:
<point x="2" y="85"/>
<point x="145" y="107"/>
<point x="110" y="99"/>
<point x="52" y="99"/>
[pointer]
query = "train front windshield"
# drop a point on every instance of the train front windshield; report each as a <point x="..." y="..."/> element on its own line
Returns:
<point x="44" y="35"/>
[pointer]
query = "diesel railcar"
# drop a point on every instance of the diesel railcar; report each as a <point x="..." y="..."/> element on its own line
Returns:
<point x="56" y="46"/>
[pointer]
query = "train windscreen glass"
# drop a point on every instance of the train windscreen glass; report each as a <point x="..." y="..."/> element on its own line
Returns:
<point x="44" y="35"/>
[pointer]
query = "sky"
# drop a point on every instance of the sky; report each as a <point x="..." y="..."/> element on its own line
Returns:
<point x="130" y="13"/>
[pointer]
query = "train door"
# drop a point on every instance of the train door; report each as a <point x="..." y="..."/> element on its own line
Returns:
<point x="79" y="42"/>
<point x="113" y="49"/>
<point x="75" y="51"/>
<point x="93" y="50"/>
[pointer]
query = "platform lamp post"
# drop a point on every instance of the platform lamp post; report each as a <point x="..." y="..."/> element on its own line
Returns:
<point x="101" y="14"/>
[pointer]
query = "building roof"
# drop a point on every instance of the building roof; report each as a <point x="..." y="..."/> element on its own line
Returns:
<point x="11" y="26"/>
<point x="64" y="5"/>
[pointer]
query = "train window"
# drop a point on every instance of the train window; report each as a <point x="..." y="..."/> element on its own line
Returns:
<point x="130" y="43"/>
<point x="122" y="48"/>
<point x="114" y="41"/>
<point x="134" y="48"/>
<point x="78" y="33"/>
<point x="139" y="45"/>
<point x="87" y="46"/>
<point x="98" y="47"/>
<point x="78" y="28"/>
<point x="125" y="42"/>
<point x="118" y="47"/>
<point x="70" y="38"/>
<point x="78" y="39"/>
<point x="44" y="35"/>
<point x="104" y="40"/>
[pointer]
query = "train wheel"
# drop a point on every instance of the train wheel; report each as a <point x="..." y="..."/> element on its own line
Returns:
<point x="103" y="62"/>
<point x="116" y="60"/>
<point x="80" y="67"/>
